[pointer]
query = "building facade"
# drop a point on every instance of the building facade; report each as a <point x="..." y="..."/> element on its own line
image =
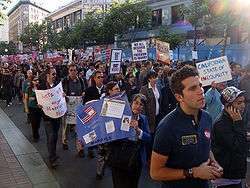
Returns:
<point x="69" y="15"/>
<point x="4" y="31"/>
<point x="21" y="15"/>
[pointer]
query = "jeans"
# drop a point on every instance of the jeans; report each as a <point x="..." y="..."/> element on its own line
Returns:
<point x="51" y="128"/>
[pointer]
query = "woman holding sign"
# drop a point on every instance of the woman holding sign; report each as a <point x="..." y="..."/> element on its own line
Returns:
<point x="128" y="156"/>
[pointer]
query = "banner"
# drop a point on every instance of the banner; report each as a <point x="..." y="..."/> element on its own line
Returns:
<point x="52" y="101"/>
<point x="139" y="50"/>
<point x="104" y="120"/>
<point x="73" y="102"/>
<point x="217" y="70"/>
<point x="162" y="51"/>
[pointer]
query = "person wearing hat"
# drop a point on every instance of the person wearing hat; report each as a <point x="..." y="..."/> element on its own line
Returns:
<point x="229" y="140"/>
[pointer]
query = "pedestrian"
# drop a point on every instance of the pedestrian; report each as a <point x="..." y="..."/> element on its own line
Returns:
<point x="51" y="125"/>
<point x="181" y="156"/>
<point x="32" y="108"/>
<point x="128" y="156"/>
<point x="229" y="139"/>
<point x="72" y="86"/>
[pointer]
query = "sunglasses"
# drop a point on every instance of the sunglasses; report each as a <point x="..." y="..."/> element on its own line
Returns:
<point x="53" y="74"/>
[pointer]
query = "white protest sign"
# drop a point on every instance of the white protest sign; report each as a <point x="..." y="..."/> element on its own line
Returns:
<point x="217" y="70"/>
<point x="116" y="55"/>
<point x="115" y="67"/>
<point x="52" y="101"/>
<point x="171" y="54"/>
<point x="194" y="55"/>
<point x="70" y="55"/>
<point x="162" y="51"/>
<point x="73" y="102"/>
<point x="139" y="50"/>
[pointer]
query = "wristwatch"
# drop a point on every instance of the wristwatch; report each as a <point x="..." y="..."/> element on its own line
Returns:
<point x="188" y="173"/>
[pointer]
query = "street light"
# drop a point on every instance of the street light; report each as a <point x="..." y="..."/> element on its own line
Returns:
<point x="6" y="50"/>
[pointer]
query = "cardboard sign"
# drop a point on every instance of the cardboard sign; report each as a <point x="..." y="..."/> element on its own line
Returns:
<point x="139" y="50"/>
<point x="73" y="102"/>
<point x="116" y="55"/>
<point x="52" y="101"/>
<point x="162" y="51"/>
<point x="217" y="70"/>
<point x="104" y="120"/>
<point x="115" y="67"/>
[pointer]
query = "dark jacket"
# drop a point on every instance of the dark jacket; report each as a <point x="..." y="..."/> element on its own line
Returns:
<point x="92" y="93"/>
<point x="150" y="108"/>
<point x="229" y="145"/>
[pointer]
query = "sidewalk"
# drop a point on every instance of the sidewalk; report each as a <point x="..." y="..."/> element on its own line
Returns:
<point x="21" y="166"/>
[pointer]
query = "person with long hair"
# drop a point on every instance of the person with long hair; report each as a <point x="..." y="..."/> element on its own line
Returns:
<point x="31" y="108"/>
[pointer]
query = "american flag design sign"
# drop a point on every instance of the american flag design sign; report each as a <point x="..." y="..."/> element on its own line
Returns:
<point x="90" y="113"/>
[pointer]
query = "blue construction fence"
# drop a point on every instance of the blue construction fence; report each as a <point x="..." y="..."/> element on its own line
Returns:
<point x="236" y="53"/>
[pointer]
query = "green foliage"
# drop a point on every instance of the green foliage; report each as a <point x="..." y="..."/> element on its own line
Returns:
<point x="11" y="47"/>
<point x="101" y="27"/>
<point x="175" y="40"/>
<point x="34" y="35"/>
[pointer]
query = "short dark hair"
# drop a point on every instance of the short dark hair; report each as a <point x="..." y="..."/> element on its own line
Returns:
<point x="110" y="85"/>
<point x="180" y="75"/>
<point x="151" y="74"/>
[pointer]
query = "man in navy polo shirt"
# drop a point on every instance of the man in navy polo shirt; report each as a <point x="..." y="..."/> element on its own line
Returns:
<point x="181" y="156"/>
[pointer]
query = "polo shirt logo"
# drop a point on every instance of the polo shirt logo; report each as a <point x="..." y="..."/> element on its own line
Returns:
<point x="207" y="133"/>
<point x="189" y="139"/>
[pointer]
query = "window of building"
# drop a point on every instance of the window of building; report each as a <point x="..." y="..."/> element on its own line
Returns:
<point x="67" y="21"/>
<point x="156" y="17"/>
<point x="78" y="16"/>
<point x="177" y="13"/>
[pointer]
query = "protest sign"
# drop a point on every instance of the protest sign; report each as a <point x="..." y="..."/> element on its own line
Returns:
<point x="70" y="55"/>
<point x="217" y="70"/>
<point x="194" y="55"/>
<point x="139" y="50"/>
<point x="171" y="54"/>
<point x="104" y="120"/>
<point x="162" y="51"/>
<point x="115" y="67"/>
<point x="116" y="55"/>
<point x="52" y="101"/>
<point x="73" y="102"/>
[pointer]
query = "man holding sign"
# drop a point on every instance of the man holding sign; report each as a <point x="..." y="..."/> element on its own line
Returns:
<point x="51" y="122"/>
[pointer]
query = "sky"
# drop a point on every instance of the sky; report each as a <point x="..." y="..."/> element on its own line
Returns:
<point x="50" y="5"/>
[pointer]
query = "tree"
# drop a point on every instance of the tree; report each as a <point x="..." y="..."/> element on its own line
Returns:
<point x="196" y="14"/>
<point x="3" y="7"/>
<point x="34" y="36"/>
<point x="7" y="48"/>
<point x="175" y="40"/>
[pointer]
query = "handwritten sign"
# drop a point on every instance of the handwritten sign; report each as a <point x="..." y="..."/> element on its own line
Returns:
<point x="116" y="55"/>
<point x="73" y="102"/>
<point x="162" y="51"/>
<point x="52" y="101"/>
<point x="115" y="67"/>
<point x="217" y="70"/>
<point x="139" y="50"/>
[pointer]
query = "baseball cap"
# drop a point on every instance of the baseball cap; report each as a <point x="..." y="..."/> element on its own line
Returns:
<point x="229" y="94"/>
